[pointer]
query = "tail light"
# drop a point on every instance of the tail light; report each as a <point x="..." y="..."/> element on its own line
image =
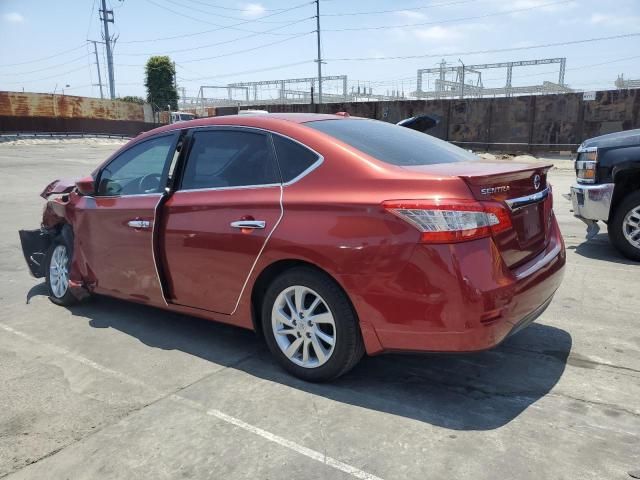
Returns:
<point x="448" y="221"/>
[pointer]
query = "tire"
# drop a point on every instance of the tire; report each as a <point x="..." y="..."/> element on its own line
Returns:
<point x="331" y="317"/>
<point x="624" y="227"/>
<point x="57" y="273"/>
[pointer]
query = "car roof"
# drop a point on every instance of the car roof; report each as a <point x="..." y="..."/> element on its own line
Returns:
<point x="260" y="120"/>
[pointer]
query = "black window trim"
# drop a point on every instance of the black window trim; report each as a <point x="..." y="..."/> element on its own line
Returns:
<point x="165" y="170"/>
<point x="263" y="131"/>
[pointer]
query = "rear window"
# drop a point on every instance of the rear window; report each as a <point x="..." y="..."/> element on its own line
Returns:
<point x="391" y="143"/>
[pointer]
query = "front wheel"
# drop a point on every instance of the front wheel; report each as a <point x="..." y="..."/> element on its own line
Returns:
<point x="624" y="228"/>
<point x="310" y="326"/>
<point x="58" y="263"/>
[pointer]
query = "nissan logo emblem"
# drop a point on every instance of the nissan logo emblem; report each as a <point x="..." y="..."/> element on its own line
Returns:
<point x="536" y="182"/>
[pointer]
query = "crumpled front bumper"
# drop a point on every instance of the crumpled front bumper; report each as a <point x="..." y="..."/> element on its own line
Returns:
<point x="35" y="244"/>
<point x="592" y="202"/>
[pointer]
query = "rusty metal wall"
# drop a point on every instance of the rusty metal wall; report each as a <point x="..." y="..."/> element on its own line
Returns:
<point x="40" y="112"/>
<point x="527" y="123"/>
<point x="17" y="104"/>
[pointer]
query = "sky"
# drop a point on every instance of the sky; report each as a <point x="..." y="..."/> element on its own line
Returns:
<point x="44" y="48"/>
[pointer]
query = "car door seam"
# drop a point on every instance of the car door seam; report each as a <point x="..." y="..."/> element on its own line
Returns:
<point x="154" y="233"/>
<point x="255" y="262"/>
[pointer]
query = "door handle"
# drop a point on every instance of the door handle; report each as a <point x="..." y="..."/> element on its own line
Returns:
<point x="251" y="224"/>
<point x="139" y="223"/>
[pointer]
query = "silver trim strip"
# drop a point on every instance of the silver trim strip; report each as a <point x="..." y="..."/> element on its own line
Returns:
<point x="255" y="262"/>
<point x="131" y="195"/>
<point x="214" y="189"/>
<point x="521" y="202"/>
<point x="540" y="263"/>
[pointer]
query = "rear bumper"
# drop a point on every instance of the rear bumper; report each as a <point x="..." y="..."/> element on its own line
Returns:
<point x="592" y="202"/>
<point x="461" y="298"/>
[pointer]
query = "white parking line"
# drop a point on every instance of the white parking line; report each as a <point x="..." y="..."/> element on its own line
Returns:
<point x="293" y="446"/>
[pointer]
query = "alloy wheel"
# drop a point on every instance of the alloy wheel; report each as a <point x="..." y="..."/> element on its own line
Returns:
<point x="59" y="271"/>
<point x="631" y="226"/>
<point x="303" y="326"/>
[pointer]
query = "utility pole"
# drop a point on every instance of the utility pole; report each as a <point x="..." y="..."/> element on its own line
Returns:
<point x="319" y="60"/>
<point x="462" y="80"/>
<point x="107" y="17"/>
<point x="95" y="50"/>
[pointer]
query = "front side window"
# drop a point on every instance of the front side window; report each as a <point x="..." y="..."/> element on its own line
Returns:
<point x="391" y="143"/>
<point x="138" y="170"/>
<point x="226" y="158"/>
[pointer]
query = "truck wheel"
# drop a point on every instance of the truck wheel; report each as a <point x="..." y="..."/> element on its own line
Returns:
<point x="310" y="326"/>
<point x="624" y="228"/>
<point x="57" y="265"/>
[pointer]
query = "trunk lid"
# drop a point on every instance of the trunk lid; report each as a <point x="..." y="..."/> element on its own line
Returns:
<point x="522" y="188"/>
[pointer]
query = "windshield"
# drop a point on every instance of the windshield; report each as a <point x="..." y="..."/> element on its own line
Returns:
<point x="391" y="143"/>
<point x="187" y="116"/>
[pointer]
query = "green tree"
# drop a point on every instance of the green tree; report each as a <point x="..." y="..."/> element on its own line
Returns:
<point x="161" y="91"/>
<point x="132" y="99"/>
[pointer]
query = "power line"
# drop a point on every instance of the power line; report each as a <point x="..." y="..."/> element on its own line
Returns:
<point x="57" y="75"/>
<point x="376" y="12"/>
<point x="233" y="40"/>
<point x="219" y="27"/>
<point x="186" y="35"/>
<point x="81" y="57"/>
<point x="247" y="72"/>
<point x="206" y="12"/>
<point x="233" y="9"/>
<point x="42" y="59"/>
<point x="478" y="52"/>
<point x="452" y="20"/>
<point x="236" y="52"/>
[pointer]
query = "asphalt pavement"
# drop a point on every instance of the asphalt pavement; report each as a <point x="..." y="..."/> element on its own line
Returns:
<point x="112" y="390"/>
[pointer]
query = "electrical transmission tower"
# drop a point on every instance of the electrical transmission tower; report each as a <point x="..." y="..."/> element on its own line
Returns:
<point x="106" y="16"/>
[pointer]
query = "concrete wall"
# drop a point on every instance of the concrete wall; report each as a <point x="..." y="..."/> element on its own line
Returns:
<point x="527" y="123"/>
<point x="66" y="113"/>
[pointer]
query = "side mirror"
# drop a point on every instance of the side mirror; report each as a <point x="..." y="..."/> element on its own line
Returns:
<point x="86" y="186"/>
<point x="421" y="123"/>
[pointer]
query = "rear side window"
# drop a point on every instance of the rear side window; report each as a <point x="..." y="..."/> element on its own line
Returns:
<point x="226" y="158"/>
<point x="293" y="158"/>
<point x="391" y="143"/>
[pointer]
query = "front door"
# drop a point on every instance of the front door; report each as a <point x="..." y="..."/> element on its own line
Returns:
<point x="115" y="227"/>
<point x="218" y="220"/>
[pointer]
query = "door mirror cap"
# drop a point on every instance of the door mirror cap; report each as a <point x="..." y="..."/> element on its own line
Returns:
<point x="421" y="123"/>
<point x="86" y="186"/>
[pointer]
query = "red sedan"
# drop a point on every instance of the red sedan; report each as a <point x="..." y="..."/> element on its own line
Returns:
<point x="329" y="235"/>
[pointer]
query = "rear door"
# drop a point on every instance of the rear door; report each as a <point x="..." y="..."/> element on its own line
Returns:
<point x="220" y="217"/>
<point x="114" y="227"/>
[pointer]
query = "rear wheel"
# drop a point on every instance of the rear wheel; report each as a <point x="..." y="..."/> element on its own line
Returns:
<point x="58" y="263"/>
<point x="624" y="228"/>
<point x="310" y="326"/>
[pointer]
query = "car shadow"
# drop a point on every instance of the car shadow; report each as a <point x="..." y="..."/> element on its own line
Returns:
<point x="600" y="248"/>
<point x="480" y="391"/>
